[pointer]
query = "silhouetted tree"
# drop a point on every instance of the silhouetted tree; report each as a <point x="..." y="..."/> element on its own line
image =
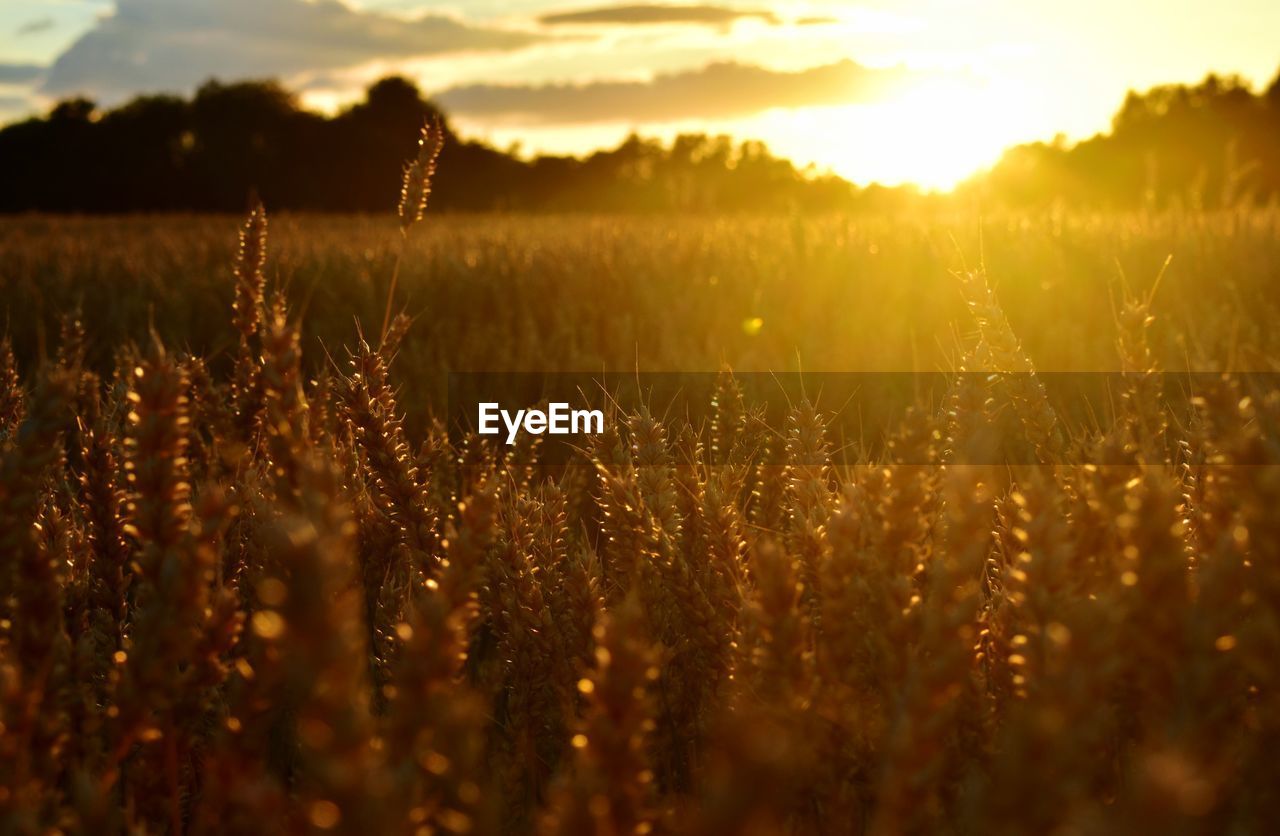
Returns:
<point x="1216" y="143"/>
<point x="231" y="141"/>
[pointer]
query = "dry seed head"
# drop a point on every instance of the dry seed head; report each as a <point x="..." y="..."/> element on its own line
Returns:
<point x="156" y="463"/>
<point x="250" y="278"/>
<point x="418" y="173"/>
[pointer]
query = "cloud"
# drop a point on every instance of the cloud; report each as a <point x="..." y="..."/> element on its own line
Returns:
<point x="20" y="73"/>
<point x="32" y="27"/>
<point x="652" y="13"/>
<point x="717" y="91"/>
<point x="816" y="21"/>
<point x="174" y="45"/>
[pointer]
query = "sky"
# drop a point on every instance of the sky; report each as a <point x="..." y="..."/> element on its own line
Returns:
<point x="924" y="91"/>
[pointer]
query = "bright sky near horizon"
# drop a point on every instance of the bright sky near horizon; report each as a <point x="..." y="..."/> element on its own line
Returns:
<point x="922" y="91"/>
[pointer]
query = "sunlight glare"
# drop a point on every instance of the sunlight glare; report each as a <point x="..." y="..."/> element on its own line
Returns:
<point x="934" y="135"/>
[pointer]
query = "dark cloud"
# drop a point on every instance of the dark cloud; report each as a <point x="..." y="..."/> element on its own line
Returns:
<point x="20" y="73"/>
<point x="31" y="27"/>
<point x="722" y="90"/>
<point x="647" y="14"/>
<point x="176" y="44"/>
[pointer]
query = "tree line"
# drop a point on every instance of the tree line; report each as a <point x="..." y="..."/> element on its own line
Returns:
<point x="1210" y="144"/>
<point x="231" y="141"/>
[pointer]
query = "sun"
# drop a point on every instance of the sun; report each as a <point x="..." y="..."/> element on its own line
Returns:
<point x="935" y="134"/>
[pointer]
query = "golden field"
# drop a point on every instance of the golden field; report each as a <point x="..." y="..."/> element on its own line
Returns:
<point x="252" y="585"/>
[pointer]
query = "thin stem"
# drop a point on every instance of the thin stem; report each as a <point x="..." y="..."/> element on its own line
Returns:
<point x="391" y="291"/>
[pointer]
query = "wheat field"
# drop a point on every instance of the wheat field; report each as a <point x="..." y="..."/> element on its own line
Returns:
<point x="252" y="582"/>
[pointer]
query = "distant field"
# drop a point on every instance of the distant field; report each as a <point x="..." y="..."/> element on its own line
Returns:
<point x="579" y="292"/>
